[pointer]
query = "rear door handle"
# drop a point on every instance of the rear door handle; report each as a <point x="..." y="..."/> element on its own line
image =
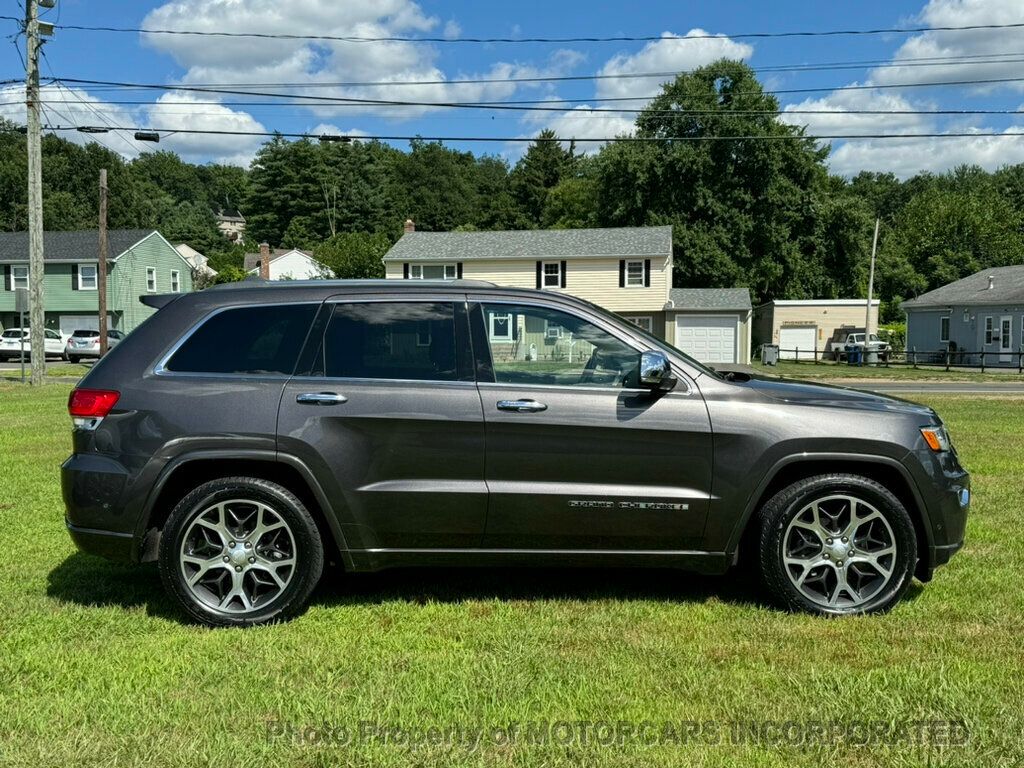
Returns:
<point x="521" y="406"/>
<point x="320" y="398"/>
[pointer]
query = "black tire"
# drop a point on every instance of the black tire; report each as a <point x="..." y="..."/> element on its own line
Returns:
<point x="785" y="505"/>
<point x="73" y="358"/>
<point x="308" y="554"/>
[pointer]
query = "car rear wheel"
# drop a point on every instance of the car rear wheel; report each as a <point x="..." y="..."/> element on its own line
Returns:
<point x="73" y="358"/>
<point x="240" y="551"/>
<point x="837" y="544"/>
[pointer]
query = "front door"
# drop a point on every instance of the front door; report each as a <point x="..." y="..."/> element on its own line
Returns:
<point x="1005" y="339"/>
<point x="388" y="416"/>
<point x="579" y="456"/>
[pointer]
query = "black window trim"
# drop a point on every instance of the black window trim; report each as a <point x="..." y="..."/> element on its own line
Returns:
<point x="160" y="368"/>
<point x="464" y="360"/>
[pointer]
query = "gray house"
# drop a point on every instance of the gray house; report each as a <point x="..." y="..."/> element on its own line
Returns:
<point x="980" y="313"/>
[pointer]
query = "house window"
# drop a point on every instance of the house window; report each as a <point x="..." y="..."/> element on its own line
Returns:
<point x="643" y="323"/>
<point x="19" y="277"/>
<point x="551" y="330"/>
<point x="500" y="327"/>
<point x="151" y="279"/>
<point x="988" y="330"/>
<point x="423" y="334"/>
<point x="432" y="271"/>
<point x="634" y="274"/>
<point x="944" y="329"/>
<point x="967" y="316"/>
<point x="175" y="281"/>
<point x="552" y="274"/>
<point x="87" y="277"/>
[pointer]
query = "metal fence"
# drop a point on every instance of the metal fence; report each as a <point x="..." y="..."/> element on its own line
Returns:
<point x="912" y="358"/>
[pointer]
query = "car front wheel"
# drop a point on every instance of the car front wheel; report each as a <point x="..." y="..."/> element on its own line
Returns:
<point x="837" y="544"/>
<point x="240" y="551"/>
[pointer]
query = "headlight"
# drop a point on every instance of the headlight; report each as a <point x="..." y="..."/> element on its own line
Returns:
<point x="936" y="437"/>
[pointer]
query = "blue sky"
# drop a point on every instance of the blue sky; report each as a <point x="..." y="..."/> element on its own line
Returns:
<point x="311" y="67"/>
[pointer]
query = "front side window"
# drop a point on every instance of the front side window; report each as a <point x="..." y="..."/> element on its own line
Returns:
<point x="391" y="340"/>
<point x="262" y="340"/>
<point x="87" y="277"/>
<point x="552" y="274"/>
<point x="175" y="281"/>
<point x="151" y="279"/>
<point x="550" y="347"/>
<point x="634" y="274"/>
<point x="643" y="323"/>
<point x="944" y="329"/>
<point x="432" y="271"/>
<point x="989" y="331"/>
<point x="19" y="277"/>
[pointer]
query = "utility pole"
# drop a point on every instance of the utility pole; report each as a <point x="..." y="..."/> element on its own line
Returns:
<point x="37" y="320"/>
<point x="871" y="286"/>
<point x="101" y="266"/>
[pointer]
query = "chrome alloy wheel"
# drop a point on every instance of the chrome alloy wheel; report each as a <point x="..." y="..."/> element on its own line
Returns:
<point x="839" y="551"/>
<point x="237" y="556"/>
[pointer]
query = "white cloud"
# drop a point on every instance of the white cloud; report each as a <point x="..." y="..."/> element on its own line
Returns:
<point x="836" y="118"/>
<point x="177" y="109"/>
<point x="671" y="54"/>
<point x="906" y="157"/>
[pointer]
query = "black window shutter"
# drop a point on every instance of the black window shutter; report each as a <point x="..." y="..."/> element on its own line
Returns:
<point x="622" y="273"/>
<point x="74" y="277"/>
<point x="458" y="270"/>
<point x="647" y="273"/>
<point x="405" y="271"/>
<point x="8" y="280"/>
<point x="562" y="271"/>
<point x="540" y="274"/>
<point x="515" y="327"/>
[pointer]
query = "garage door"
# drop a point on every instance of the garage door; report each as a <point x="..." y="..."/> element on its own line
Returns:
<point x="800" y="338"/>
<point x="710" y="338"/>
<point x="71" y="323"/>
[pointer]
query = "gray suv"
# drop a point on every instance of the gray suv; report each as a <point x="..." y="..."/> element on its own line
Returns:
<point x="247" y="434"/>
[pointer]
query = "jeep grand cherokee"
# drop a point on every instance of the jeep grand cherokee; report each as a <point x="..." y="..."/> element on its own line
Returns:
<point x="245" y="434"/>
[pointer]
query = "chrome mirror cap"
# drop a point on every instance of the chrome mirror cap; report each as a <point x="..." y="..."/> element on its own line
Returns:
<point x="655" y="370"/>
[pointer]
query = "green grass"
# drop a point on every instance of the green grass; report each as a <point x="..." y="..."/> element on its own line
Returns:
<point x="97" y="668"/>
<point x="65" y="370"/>
<point x="809" y="370"/>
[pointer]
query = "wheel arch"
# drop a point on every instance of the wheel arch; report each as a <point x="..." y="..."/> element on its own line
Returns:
<point x="186" y="472"/>
<point x="882" y="469"/>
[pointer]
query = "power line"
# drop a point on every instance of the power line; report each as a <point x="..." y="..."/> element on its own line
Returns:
<point x="588" y="140"/>
<point x="516" y="40"/>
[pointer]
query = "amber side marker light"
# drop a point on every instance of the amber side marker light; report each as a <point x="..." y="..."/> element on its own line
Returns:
<point x="936" y="438"/>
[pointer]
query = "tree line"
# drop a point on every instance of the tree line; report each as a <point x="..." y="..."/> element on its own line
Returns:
<point x="763" y="213"/>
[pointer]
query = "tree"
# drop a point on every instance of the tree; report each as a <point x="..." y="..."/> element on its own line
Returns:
<point x="537" y="172"/>
<point x="354" y="255"/>
<point x="434" y="186"/>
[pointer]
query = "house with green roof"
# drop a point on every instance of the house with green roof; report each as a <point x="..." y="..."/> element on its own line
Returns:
<point x="139" y="261"/>
<point x="627" y="270"/>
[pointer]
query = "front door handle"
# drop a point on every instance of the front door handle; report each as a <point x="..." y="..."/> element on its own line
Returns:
<point x="521" y="406"/>
<point x="320" y="398"/>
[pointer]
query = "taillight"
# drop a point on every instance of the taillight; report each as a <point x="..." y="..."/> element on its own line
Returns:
<point x="88" y="406"/>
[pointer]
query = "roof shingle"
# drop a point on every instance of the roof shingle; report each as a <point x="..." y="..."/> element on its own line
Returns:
<point x="532" y="244"/>
<point x="80" y="245"/>
<point x="710" y="298"/>
<point x="1007" y="288"/>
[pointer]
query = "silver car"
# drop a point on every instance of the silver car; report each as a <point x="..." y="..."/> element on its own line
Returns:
<point x="86" y="343"/>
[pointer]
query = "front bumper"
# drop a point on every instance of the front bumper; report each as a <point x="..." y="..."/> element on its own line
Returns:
<point x="948" y="503"/>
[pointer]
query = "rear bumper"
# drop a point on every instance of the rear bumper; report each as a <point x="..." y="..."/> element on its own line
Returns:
<point x="94" y="489"/>
<point x="112" y="545"/>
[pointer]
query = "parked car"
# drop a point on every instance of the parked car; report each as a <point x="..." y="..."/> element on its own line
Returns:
<point x="10" y="343"/>
<point x="86" y="343"/>
<point x="247" y="434"/>
<point x="856" y="341"/>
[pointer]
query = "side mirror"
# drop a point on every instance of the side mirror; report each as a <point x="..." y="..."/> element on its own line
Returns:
<point x="656" y="371"/>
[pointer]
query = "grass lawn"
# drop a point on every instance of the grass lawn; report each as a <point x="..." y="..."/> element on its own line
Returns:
<point x="809" y="370"/>
<point x="96" y="668"/>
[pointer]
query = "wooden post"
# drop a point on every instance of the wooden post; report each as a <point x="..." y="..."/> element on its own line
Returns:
<point x="101" y="265"/>
<point x="37" y="318"/>
<point x="982" y="362"/>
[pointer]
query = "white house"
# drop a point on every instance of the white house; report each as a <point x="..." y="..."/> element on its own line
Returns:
<point x="284" y="264"/>
<point x="199" y="263"/>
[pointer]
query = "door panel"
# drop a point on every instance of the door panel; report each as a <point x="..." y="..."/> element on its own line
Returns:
<point x="578" y="456"/>
<point x="389" y="418"/>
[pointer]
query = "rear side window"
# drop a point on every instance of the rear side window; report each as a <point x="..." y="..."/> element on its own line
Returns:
<point x="255" y="340"/>
<point x="391" y="340"/>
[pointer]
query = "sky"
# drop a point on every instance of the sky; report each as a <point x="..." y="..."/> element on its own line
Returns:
<point x="314" y="67"/>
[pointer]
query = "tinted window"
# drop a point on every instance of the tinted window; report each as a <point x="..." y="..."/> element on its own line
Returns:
<point x="536" y="345"/>
<point x="14" y="334"/>
<point x="257" y="340"/>
<point x="80" y="334"/>
<point x="390" y="340"/>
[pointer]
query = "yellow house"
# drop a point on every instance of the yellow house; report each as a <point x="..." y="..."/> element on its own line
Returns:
<point x="627" y="270"/>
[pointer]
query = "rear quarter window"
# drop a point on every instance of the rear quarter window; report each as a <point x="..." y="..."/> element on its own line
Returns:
<point x="246" y="340"/>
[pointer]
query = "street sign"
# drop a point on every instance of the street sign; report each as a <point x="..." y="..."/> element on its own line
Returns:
<point x="21" y="300"/>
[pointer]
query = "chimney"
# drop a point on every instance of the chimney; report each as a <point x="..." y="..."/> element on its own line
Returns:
<point x="991" y="282"/>
<point x="264" y="261"/>
<point x="410" y="225"/>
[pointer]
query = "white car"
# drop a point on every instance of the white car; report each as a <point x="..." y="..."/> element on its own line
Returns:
<point x="10" y="343"/>
<point x="86" y="343"/>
